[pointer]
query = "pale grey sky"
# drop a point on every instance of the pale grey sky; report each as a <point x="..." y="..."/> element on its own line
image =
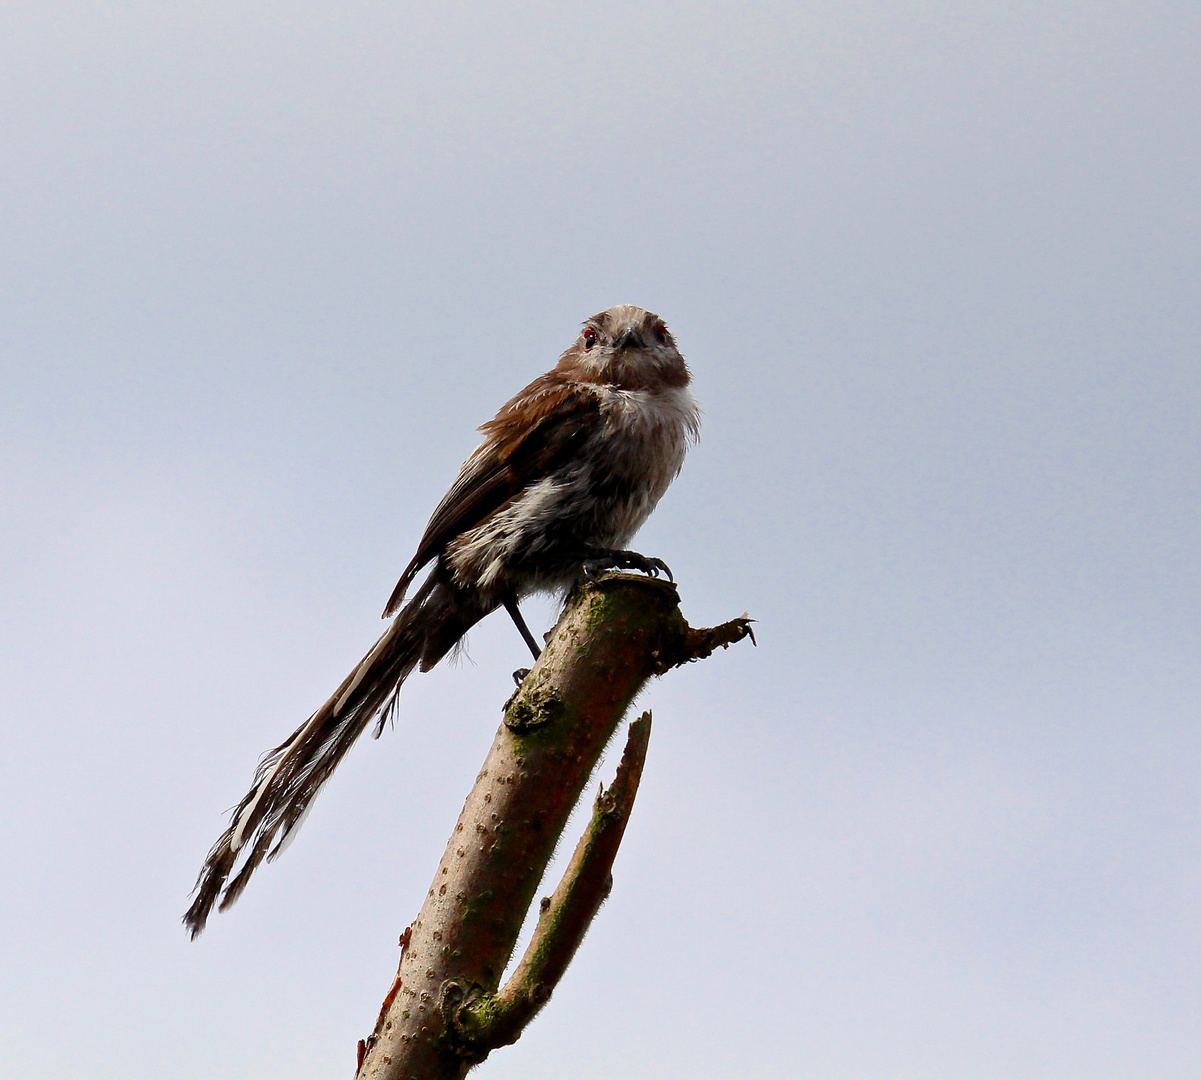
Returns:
<point x="935" y="267"/>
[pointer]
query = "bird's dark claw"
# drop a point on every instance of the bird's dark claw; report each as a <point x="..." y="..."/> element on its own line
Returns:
<point x="520" y="674"/>
<point x="658" y="566"/>
<point x="626" y="560"/>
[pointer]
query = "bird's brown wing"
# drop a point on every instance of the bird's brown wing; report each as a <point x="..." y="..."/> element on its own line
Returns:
<point x="531" y="436"/>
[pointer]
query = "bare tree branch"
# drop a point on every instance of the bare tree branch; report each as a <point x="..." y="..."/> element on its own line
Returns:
<point x="444" y="1013"/>
<point x="491" y="1021"/>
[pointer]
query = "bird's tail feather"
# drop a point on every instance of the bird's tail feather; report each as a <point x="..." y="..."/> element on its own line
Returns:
<point x="289" y="777"/>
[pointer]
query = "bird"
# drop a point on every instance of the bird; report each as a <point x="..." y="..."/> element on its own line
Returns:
<point x="565" y="475"/>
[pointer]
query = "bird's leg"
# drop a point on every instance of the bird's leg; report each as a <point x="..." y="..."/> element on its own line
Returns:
<point x="599" y="559"/>
<point x="514" y="611"/>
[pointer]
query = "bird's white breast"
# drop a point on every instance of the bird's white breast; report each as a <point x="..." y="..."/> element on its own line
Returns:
<point x="646" y="436"/>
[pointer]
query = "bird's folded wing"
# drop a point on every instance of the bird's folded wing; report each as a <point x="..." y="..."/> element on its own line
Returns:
<point x="532" y="436"/>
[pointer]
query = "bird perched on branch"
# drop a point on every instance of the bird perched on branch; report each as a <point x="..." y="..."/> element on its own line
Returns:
<point x="567" y="472"/>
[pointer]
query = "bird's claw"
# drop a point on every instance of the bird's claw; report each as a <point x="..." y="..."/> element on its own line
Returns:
<point x="520" y="674"/>
<point x="658" y="566"/>
<point x="626" y="560"/>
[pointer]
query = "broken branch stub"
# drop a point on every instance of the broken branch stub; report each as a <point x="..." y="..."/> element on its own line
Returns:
<point x="445" y="1012"/>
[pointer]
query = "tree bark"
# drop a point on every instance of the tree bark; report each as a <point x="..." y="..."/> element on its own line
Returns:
<point x="446" y="1010"/>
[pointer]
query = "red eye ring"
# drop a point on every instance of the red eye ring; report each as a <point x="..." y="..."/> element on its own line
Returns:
<point x="589" y="337"/>
<point x="661" y="333"/>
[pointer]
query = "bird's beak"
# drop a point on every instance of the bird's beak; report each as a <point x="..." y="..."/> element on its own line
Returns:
<point x="629" y="338"/>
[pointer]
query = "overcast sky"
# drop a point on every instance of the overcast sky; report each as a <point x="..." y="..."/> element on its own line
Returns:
<point x="935" y="267"/>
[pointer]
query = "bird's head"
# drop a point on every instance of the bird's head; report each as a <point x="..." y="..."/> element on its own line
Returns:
<point x="626" y="347"/>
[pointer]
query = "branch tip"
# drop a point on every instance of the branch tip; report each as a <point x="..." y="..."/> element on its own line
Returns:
<point x="699" y="644"/>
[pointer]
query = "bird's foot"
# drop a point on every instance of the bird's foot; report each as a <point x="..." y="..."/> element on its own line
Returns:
<point x="625" y="560"/>
<point x="520" y="674"/>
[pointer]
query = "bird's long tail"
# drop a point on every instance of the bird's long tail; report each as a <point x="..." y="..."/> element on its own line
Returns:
<point x="289" y="777"/>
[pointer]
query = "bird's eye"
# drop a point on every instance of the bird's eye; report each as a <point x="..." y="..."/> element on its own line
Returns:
<point x="661" y="334"/>
<point x="589" y="338"/>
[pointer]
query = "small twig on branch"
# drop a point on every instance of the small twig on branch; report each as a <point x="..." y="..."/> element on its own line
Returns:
<point x="704" y="643"/>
